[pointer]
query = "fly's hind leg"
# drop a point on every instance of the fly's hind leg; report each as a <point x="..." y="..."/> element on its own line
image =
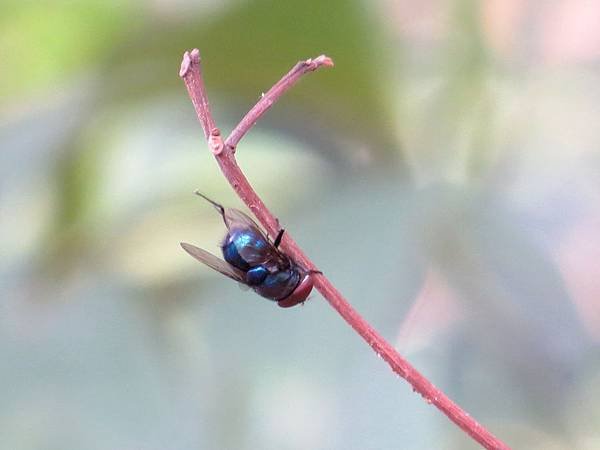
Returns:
<point x="278" y="238"/>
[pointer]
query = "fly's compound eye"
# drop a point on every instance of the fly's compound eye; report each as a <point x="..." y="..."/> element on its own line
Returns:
<point x="299" y="295"/>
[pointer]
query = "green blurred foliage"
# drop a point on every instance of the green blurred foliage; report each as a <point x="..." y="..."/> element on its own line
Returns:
<point x="45" y="42"/>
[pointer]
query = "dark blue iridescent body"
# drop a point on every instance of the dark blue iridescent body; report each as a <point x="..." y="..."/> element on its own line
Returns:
<point x="249" y="242"/>
<point x="252" y="259"/>
<point x="272" y="275"/>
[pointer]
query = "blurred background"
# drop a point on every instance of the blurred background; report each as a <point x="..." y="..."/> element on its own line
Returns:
<point x="445" y="176"/>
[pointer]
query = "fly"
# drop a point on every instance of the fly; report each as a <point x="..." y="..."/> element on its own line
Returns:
<point x="252" y="259"/>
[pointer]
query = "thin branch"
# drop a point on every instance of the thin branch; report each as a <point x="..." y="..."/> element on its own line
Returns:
<point x="195" y="87"/>
<point x="224" y="154"/>
<point x="267" y="100"/>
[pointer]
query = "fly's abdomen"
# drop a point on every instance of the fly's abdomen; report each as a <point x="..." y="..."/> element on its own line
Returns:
<point x="245" y="249"/>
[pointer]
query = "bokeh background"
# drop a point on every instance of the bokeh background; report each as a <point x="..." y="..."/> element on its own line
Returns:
<point x="445" y="175"/>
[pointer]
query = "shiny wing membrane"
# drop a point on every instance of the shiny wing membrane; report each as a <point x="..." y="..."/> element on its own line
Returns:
<point x="213" y="262"/>
<point x="235" y="219"/>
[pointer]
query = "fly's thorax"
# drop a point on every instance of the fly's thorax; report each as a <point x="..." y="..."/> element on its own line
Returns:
<point x="280" y="284"/>
<point x="256" y="276"/>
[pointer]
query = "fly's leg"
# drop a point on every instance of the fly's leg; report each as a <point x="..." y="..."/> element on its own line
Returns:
<point x="278" y="238"/>
<point x="276" y="245"/>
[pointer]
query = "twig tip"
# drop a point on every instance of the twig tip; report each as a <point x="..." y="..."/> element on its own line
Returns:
<point x="189" y="58"/>
<point x="312" y="64"/>
<point x="325" y="61"/>
<point x="186" y="62"/>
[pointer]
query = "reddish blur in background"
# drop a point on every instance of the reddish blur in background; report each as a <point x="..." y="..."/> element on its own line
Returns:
<point x="445" y="175"/>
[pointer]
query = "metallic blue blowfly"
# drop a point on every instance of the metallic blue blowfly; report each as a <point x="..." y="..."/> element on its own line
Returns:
<point x="252" y="259"/>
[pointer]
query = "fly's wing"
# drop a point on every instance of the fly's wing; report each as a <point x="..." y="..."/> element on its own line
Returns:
<point x="213" y="262"/>
<point x="255" y="248"/>
<point x="235" y="219"/>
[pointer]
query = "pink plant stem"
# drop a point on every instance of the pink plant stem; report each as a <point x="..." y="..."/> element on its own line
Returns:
<point x="225" y="155"/>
